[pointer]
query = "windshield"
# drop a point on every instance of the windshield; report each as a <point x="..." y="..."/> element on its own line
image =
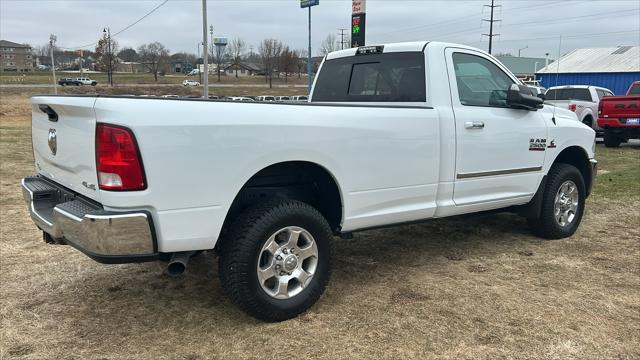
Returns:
<point x="569" y="94"/>
<point x="635" y="89"/>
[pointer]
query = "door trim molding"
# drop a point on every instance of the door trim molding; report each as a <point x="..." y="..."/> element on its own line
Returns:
<point x="498" y="172"/>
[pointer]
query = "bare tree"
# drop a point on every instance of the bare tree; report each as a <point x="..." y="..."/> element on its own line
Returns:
<point x="237" y="48"/>
<point x="220" y="53"/>
<point x="329" y="44"/>
<point x="301" y="64"/>
<point x="153" y="56"/>
<point x="270" y="50"/>
<point x="288" y="60"/>
<point x="127" y="54"/>
<point x="105" y="53"/>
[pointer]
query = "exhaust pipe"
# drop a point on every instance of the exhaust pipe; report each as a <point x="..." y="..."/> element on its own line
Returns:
<point x="178" y="263"/>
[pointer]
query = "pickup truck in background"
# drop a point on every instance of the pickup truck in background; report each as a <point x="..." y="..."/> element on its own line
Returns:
<point x="581" y="99"/>
<point x="87" y="81"/>
<point x="619" y="116"/>
<point x="69" y="82"/>
<point x="391" y="134"/>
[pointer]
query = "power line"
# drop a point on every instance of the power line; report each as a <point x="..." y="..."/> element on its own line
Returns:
<point x="491" y="35"/>
<point x="121" y="31"/>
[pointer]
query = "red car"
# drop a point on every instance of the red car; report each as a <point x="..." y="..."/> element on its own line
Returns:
<point x="619" y="116"/>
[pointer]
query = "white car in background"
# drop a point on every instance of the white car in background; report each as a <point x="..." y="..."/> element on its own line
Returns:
<point x="266" y="98"/>
<point x="537" y="90"/>
<point x="303" y="98"/>
<point x="240" y="98"/>
<point x="190" y="83"/>
<point x="581" y="99"/>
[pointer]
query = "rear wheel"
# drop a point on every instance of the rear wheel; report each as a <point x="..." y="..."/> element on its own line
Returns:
<point x="611" y="140"/>
<point x="276" y="259"/>
<point x="588" y="120"/>
<point x="562" y="203"/>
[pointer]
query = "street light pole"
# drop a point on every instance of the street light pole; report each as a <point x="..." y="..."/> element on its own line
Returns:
<point x="519" y="50"/>
<point x="309" y="67"/>
<point x="52" y="43"/>
<point x="107" y="31"/>
<point x="198" y="65"/>
<point x="205" y="53"/>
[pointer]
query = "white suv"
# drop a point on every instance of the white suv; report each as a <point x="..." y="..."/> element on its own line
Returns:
<point x="581" y="99"/>
<point x="87" y="81"/>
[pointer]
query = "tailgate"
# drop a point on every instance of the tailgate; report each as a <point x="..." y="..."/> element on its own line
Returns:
<point x="63" y="135"/>
<point x="620" y="107"/>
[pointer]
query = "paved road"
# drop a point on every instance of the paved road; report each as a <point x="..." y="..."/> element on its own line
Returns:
<point x="278" y="86"/>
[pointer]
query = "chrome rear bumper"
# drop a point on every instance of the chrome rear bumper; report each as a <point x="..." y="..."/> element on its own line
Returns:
<point x="108" y="237"/>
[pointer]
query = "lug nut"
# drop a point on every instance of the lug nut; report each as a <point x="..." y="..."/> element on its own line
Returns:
<point x="291" y="251"/>
<point x="277" y="267"/>
<point x="284" y="251"/>
<point x="278" y="257"/>
<point x="282" y="273"/>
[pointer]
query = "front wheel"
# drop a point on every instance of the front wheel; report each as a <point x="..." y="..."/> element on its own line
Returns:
<point x="562" y="203"/>
<point x="276" y="259"/>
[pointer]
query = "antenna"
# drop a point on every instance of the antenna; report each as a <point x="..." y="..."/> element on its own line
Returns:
<point x="555" y="94"/>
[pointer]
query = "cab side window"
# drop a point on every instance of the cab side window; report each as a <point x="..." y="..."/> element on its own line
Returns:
<point x="480" y="82"/>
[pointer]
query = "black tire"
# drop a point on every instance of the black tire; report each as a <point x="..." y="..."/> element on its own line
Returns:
<point x="588" y="120"/>
<point x="241" y="249"/>
<point x="611" y="140"/>
<point x="546" y="225"/>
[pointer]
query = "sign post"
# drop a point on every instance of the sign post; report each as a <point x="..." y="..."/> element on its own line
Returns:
<point x="358" y="20"/>
<point x="309" y="4"/>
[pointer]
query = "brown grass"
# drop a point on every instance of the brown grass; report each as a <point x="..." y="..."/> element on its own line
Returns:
<point x="475" y="287"/>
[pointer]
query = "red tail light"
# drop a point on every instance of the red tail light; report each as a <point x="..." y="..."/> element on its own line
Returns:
<point x="118" y="159"/>
<point x="599" y="108"/>
<point x="573" y="107"/>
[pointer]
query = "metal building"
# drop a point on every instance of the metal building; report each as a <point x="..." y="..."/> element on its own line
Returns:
<point x="614" y="68"/>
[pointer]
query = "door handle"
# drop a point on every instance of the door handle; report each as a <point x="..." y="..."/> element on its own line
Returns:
<point x="474" y="125"/>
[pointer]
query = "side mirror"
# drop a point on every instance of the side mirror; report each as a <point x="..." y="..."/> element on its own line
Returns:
<point x="520" y="97"/>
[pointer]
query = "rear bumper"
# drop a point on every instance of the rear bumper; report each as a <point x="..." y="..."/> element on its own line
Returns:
<point x="69" y="218"/>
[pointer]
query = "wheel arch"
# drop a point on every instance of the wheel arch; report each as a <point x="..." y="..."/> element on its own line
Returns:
<point x="301" y="180"/>
<point x="578" y="157"/>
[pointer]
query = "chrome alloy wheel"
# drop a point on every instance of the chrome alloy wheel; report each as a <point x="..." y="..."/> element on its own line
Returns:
<point x="566" y="203"/>
<point x="287" y="262"/>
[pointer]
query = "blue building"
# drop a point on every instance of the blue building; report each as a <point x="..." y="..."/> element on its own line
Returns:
<point x="614" y="68"/>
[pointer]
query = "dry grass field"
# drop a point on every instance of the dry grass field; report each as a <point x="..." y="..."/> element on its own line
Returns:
<point x="476" y="287"/>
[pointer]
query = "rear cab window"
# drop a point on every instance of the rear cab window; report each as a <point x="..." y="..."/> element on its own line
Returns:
<point x="569" y="94"/>
<point x="381" y="77"/>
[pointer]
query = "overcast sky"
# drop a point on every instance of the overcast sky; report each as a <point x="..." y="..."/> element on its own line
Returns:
<point x="178" y="24"/>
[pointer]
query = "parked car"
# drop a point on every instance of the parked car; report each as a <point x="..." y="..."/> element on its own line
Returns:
<point x="266" y="98"/>
<point x="87" y="81"/>
<point x="69" y="82"/>
<point x="240" y="98"/>
<point x="619" y="116"/>
<point x="267" y="186"/>
<point x="537" y="90"/>
<point x="193" y="72"/>
<point x="581" y="99"/>
<point x="282" y="98"/>
<point x="190" y="83"/>
<point x="300" y="98"/>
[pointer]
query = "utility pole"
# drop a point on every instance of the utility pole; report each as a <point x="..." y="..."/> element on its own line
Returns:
<point x="107" y="31"/>
<point x="52" y="44"/>
<point x="342" y="34"/>
<point x="205" y="52"/>
<point x="491" y="35"/>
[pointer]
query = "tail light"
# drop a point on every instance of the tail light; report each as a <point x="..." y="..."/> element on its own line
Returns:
<point x="573" y="107"/>
<point x="599" y="108"/>
<point x="118" y="160"/>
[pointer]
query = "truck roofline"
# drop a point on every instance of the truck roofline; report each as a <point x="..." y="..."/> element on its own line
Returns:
<point x="412" y="46"/>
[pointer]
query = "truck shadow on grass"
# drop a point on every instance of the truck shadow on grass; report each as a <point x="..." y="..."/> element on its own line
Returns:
<point x="370" y="258"/>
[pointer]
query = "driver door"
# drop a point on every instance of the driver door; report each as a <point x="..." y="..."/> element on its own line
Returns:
<point x="500" y="151"/>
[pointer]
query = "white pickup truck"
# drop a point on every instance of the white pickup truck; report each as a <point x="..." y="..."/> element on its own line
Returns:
<point x="392" y="134"/>
<point x="581" y="99"/>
